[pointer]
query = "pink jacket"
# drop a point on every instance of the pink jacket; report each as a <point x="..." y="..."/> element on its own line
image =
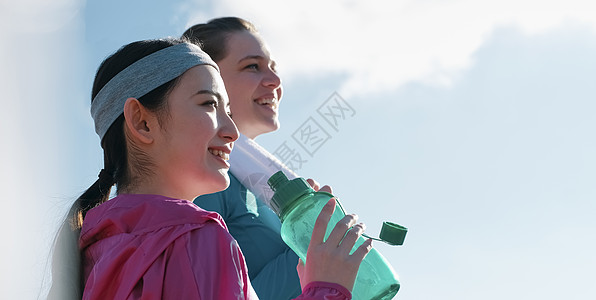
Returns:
<point x="154" y="247"/>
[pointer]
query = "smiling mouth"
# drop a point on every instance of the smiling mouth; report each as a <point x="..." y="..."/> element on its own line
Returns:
<point x="268" y="101"/>
<point x="223" y="155"/>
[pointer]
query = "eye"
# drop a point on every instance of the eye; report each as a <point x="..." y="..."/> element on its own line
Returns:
<point x="230" y="114"/>
<point x="210" y="103"/>
<point x="254" y="67"/>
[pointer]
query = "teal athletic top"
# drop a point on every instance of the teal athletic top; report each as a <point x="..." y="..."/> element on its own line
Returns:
<point x="271" y="263"/>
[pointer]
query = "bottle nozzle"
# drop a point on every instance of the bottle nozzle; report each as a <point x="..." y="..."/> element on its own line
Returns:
<point x="286" y="191"/>
<point x="277" y="180"/>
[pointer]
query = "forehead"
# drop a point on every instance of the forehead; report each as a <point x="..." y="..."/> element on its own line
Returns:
<point x="204" y="76"/>
<point x="245" y="43"/>
<point x="200" y="78"/>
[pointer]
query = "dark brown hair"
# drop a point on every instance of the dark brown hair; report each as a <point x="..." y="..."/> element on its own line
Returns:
<point x="213" y="35"/>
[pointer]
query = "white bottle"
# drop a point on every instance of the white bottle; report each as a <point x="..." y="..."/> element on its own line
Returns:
<point x="252" y="165"/>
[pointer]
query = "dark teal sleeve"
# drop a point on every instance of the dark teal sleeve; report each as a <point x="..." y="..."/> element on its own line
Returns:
<point x="271" y="263"/>
<point x="276" y="280"/>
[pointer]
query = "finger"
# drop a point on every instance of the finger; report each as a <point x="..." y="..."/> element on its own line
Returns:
<point x="340" y="229"/>
<point x="318" y="233"/>
<point x="351" y="237"/>
<point x="315" y="185"/>
<point x="300" y="266"/>
<point x="362" y="250"/>
<point x="327" y="189"/>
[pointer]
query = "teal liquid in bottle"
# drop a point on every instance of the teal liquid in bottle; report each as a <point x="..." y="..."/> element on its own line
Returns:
<point x="298" y="207"/>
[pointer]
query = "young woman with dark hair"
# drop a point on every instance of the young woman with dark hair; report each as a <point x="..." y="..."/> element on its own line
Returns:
<point x="161" y="110"/>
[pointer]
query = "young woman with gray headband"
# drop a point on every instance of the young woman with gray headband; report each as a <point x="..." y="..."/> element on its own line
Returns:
<point x="161" y="111"/>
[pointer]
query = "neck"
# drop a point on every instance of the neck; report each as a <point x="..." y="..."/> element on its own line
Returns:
<point x="153" y="186"/>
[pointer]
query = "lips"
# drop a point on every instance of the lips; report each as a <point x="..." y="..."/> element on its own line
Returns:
<point x="221" y="153"/>
<point x="273" y="102"/>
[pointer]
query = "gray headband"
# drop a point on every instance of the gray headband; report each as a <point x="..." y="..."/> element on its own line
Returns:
<point x="142" y="77"/>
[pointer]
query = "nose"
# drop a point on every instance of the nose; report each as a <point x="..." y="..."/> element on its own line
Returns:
<point x="228" y="130"/>
<point x="271" y="79"/>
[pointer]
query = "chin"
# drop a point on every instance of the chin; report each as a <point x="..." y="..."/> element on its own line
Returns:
<point x="222" y="182"/>
<point x="270" y="127"/>
<point x="217" y="182"/>
<point x="274" y="127"/>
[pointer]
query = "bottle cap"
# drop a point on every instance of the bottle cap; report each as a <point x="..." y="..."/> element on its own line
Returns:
<point x="286" y="191"/>
<point x="393" y="234"/>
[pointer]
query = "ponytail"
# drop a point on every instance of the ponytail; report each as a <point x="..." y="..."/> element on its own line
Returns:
<point x="96" y="194"/>
<point x="66" y="267"/>
<point x="67" y="279"/>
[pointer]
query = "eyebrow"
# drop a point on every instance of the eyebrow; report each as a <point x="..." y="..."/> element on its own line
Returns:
<point x="259" y="57"/>
<point x="209" y="92"/>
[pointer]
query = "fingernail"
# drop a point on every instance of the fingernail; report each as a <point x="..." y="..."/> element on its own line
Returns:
<point x="363" y="226"/>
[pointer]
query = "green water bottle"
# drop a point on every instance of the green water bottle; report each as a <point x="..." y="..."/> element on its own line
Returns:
<point x="298" y="207"/>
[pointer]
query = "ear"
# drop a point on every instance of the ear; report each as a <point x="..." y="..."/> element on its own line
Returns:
<point x="140" y="122"/>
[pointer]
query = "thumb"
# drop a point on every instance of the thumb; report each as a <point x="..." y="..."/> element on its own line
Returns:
<point x="300" y="270"/>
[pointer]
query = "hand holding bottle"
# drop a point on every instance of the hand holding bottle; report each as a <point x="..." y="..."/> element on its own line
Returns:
<point x="308" y="215"/>
<point x="330" y="260"/>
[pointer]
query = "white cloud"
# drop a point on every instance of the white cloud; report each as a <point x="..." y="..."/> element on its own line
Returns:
<point x="35" y="54"/>
<point x="38" y="16"/>
<point x="381" y="45"/>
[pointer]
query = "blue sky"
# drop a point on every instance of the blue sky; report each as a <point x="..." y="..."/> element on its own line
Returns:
<point x="473" y="125"/>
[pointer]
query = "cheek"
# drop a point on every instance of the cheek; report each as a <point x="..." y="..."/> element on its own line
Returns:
<point x="198" y="130"/>
<point x="243" y="88"/>
<point x="238" y="100"/>
<point x="241" y="108"/>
